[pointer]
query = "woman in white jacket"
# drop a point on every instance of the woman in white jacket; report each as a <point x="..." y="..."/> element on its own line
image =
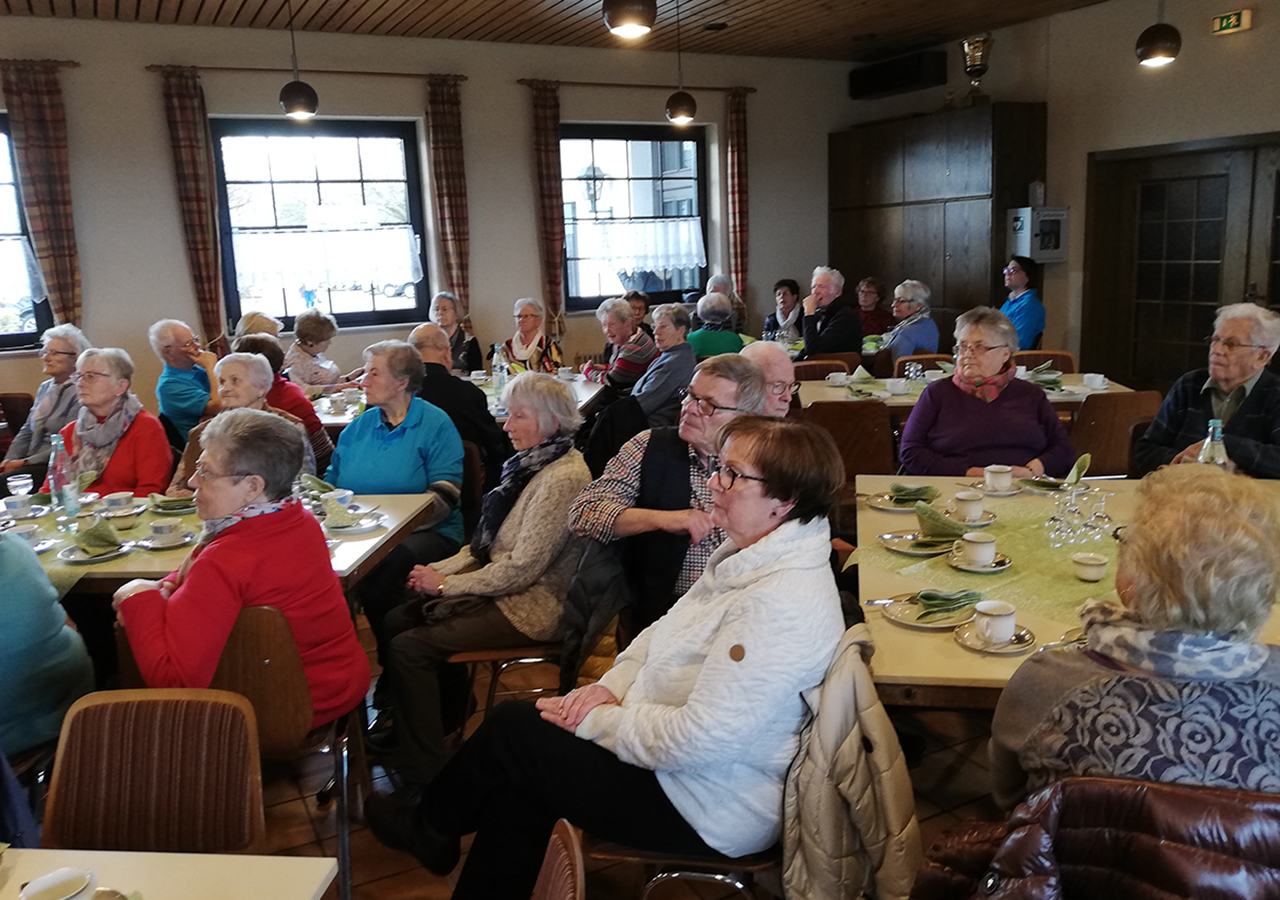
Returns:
<point x="683" y="746"/>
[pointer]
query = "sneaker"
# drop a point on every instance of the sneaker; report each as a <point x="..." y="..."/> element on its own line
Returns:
<point x="398" y="825"/>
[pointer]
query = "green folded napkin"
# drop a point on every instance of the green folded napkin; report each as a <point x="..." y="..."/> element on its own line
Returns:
<point x="948" y="367"/>
<point x="945" y="603"/>
<point x="95" y="536"/>
<point x="1041" y="484"/>
<point x="338" y="516"/>
<point x="872" y="338"/>
<point x="1043" y="367"/>
<point x="904" y="493"/>
<point x="312" y="483"/>
<point x="935" y="524"/>
<point x="160" y="501"/>
<point x="1079" y="469"/>
<point x="42" y="499"/>
<point x="861" y="374"/>
<point x="1048" y="384"/>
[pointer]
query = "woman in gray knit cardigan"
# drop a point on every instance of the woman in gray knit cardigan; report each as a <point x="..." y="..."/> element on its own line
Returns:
<point x="504" y="589"/>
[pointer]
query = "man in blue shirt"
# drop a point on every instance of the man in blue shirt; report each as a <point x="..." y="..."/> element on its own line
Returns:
<point x="187" y="390"/>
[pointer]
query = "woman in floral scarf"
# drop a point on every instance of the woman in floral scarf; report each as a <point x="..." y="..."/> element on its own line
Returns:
<point x="1173" y="684"/>
<point x="982" y="415"/>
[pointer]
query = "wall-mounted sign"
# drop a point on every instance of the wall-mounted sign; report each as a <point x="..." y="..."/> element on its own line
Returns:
<point x="1230" y="23"/>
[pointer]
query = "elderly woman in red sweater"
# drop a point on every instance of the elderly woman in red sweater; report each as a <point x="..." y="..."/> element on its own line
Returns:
<point x="259" y="547"/>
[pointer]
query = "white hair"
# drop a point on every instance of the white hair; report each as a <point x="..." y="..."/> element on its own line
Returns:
<point x="119" y="362"/>
<point x="255" y="366"/>
<point x="533" y="302"/>
<point x="835" y="274"/>
<point x="619" y="309"/>
<point x="1265" y="325"/>
<point x="161" y="333"/>
<point x="434" y="310"/>
<point x="720" y="284"/>
<point x="715" y="308"/>
<point x="548" y="398"/>
<point x="69" y="333"/>
<point x="916" y="293"/>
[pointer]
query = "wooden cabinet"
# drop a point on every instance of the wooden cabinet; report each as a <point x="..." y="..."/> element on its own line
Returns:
<point x="925" y="198"/>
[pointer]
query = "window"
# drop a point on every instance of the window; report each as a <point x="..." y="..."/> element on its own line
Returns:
<point x="635" y="211"/>
<point x="322" y="214"/>
<point x="24" y="307"/>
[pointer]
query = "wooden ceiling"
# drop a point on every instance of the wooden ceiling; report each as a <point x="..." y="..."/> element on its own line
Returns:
<point x="813" y="29"/>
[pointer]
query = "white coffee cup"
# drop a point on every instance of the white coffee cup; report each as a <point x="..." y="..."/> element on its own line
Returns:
<point x="26" y="532"/>
<point x="337" y="404"/>
<point x="998" y="478"/>
<point x="977" y="549"/>
<point x="896" y="385"/>
<point x="934" y="375"/>
<point x="1089" y="566"/>
<point x="995" y="621"/>
<point x="166" y="532"/>
<point x="1095" y="381"/>
<point x="351" y="395"/>
<point x="343" y="496"/>
<point x="119" y="501"/>
<point x="122" y="521"/>
<point x="565" y="372"/>
<point x="18" y="504"/>
<point x="1020" y="372"/>
<point x="837" y="379"/>
<point x="968" y="505"/>
<point x="477" y="374"/>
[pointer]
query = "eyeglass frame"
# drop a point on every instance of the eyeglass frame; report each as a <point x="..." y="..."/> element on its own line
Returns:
<point x="192" y="342"/>
<point x="718" y="467"/>
<point x="209" y="476"/>
<point x="76" y="377"/>
<point x="687" y="394"/>
<point x="778" y="388"/>
<point x="1012" y="270"/>
<point x="1229" y="344"/>
<point x="47" y="352"/>
<point x="973" y="348"/>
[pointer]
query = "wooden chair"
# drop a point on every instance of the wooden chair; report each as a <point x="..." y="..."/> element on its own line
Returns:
<point x="563" y="874"/>
<point x="818" y="369"/>
<point x="472" y="487"/>
<point x="719" y="872"/>
<point x="927" y="360"/>
<point x="174" y="770"/>
<point x="15" y="408"/>
<point x="1063" y="360"/>
<point x="499" y="660"/>
<point x="852" y="360"/>
<point x="1103" y="424"/>
<point x="863" y="430"/>
<point x="1136" y="431"/>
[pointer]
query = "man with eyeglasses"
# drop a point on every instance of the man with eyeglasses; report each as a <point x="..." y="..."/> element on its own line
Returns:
<point x="653" y="502"/>
<point x="1237" y="388"/>
<point x="187" y="390"/>
<point x="779" y="375"/>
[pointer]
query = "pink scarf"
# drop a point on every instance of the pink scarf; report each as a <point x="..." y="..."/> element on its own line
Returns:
<point x="985" y="389"/>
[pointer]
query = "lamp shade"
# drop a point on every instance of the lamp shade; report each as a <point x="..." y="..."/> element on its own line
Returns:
<point x="299" y="100"/>
<point x="681" y="108"/>
<point x="1158" y="45"/>
<point x="630" y="18"/>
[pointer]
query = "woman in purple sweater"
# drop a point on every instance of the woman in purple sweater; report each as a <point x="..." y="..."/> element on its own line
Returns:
<point x="983" y="415"/>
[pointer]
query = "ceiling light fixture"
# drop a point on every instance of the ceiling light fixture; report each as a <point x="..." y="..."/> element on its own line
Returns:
<point x="681" y="107"/>
<point x="1159" y="44"/>
<point x="297" y="97"/>
<point x="630" y="18"/>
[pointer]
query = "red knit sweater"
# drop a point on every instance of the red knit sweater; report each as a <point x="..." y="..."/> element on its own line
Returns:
<point x="286" y="395"/>
<point x="142" y="461"/>
<point x="279" y="559"/>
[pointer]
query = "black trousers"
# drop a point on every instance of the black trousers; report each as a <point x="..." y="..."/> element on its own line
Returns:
<point x="383" y="589"/>
<point x="517" y="775"/>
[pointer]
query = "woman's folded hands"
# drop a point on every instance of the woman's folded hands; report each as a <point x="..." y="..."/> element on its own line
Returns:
<point x="569" y="711"/>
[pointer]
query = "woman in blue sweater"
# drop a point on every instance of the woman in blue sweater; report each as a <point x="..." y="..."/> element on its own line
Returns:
<point x="1024" y="309"/>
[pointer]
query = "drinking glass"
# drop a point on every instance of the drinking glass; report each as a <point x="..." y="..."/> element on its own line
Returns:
<point x="19" y="484"/>
<point x="914" y="371"/>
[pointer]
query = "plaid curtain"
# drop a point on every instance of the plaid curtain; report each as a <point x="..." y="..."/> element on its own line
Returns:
<point x="546" y="157"/>
<point x="737" y="153"/>
<point x="197" y="195"/>
<point x="449" y="185"/>
<point x="38" y="126"/>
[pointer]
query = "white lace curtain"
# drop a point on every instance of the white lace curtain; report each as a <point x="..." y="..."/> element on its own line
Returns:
<point x="337" y="258"/>
<point x="642" y="245"/>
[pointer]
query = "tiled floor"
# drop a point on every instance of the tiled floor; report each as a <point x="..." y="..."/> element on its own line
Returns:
<point x="950" y="784"/>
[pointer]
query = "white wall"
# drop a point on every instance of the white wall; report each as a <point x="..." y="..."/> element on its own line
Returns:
<point x="132" y="258"/>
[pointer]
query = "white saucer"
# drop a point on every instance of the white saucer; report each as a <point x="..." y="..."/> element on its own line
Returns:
<point x="34" y="513"/>
<point x="904" y="609"/>
<point x="992" y="492"/>
<point x="967" y="637"/>
<point x="905" y="544"/>
<point x="44" y="546"/>
<point x="1002" y="562"/>
<point x="884" y="502"/>
<point x="188" y="538"/>
<point x="984" y="520"/>
<point x="78" y="557"/>
<point x="369" y="522"/>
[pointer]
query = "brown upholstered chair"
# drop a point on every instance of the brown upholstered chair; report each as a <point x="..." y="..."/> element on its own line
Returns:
<point x="818" y="369"/>
<point x="863" y="430"/>
<point x="563" y="874"/>
<point x="1103" y="424"/>
<point x="173" y="770"/>
<point x="1063" y="360"/>
<point x="927" y="360"/>
<point x="15" y="408"/>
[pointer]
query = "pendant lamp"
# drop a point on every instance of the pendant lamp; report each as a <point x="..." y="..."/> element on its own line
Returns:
<point x="681" y="107"/>
<point x="1159" y="44"/>
<point x="630" y="18"/>
<point x="297" y="97"/>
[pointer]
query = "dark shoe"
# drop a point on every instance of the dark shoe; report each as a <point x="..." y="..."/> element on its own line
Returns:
<point x="398" y="825"/>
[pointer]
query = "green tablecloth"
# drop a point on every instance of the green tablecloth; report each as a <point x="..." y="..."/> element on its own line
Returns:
<point x="1041" y="579"/>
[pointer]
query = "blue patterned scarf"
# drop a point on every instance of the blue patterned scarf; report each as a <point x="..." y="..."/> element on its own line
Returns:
<point x="516" y="475"/>
<point x="214" y="527"/>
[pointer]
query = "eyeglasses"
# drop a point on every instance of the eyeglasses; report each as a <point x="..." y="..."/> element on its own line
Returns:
<point x="704" y="405"/>
<point x="185" y="345"/>
<point x="1118" y="534"/>
<point x="977" y="349"/>
<point x="1012" y="270"/>
<point x="527" y="316"/>
<point x="728" y="476"/>
<point x="778" y="388"/>
<point x="897" y="300"/>
<point x="47" y="352"/>
<point x="206" y="475"/>
<point x="1231" y="345"/>
<point x="89" y="377"/>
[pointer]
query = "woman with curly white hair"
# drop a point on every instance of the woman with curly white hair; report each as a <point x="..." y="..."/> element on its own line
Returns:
<point x="1173" y="684"/>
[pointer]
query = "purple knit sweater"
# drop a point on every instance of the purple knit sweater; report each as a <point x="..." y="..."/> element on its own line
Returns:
<point x="949" y="431"/>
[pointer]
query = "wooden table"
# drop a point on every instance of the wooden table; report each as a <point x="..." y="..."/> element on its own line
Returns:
<point x="1067" y="400"/>
<point x="928" y="668"/>
<point x="178" y="876"/>
<point x="352" y="556"/>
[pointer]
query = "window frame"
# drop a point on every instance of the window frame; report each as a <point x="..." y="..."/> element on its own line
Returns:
<point x="406" y="130"/>
<point x="662" y="133"/>
<point x="24" y="340"/>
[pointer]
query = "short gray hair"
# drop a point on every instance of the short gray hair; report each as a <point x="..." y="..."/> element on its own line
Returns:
<point x="916" y="293"/>
<point x="119" y="363"/>
<point x="720" y="284"/>
<point x="69" y="333"/>
<point x="618" y="308"/>
<point x="748" y="376"/>
<point x="989" y="321"/>
<point x="549" y="398"/>
<point x="435" y="303"/>
<point x="1265" y="327"/>
<point x="402" y="360"/>
<point x="675" y="313"/>
<point x="256" y="442"/>
<point x="255" y="364"/>
<point x="715" y="308"/>
<point x="161" y="333"/>
<point x="258" y="323"/>
<point x="533" y="302"/>
<point x="835" y="274"/>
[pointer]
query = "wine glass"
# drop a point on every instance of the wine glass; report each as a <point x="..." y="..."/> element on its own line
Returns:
<point x="19" y="484"/>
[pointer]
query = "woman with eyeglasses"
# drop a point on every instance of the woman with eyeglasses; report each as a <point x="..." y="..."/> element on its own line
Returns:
<point x="529" y="349"/>
<point x="915" y="331"/>
<point x="684" y="745"/>
<point x="1024" y="309"/>
<point x="114" y="444"/>
<point x="983" y="415"/>
<point x="258" y="547"/>
<point x="56" y="405"/>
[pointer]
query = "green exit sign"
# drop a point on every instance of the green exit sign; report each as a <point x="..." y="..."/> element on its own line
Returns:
<point x="1230" y="23"/>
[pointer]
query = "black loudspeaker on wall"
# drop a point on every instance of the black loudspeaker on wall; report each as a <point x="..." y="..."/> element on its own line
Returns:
<point x="913" y="72"/>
